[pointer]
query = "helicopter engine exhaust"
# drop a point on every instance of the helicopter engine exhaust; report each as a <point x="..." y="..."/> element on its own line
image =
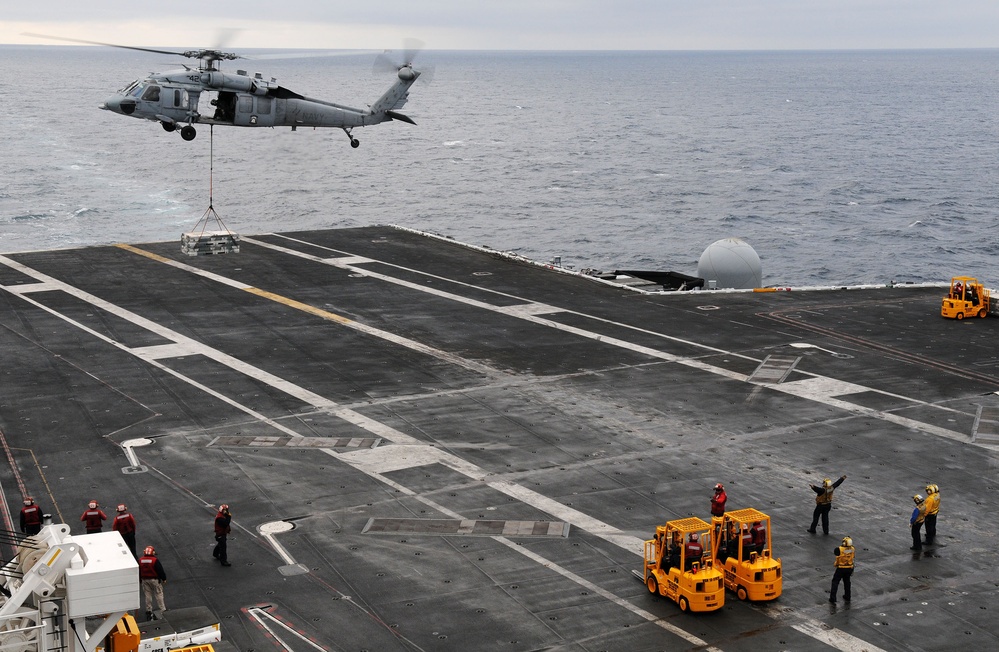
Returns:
<point x="238" y="83"/>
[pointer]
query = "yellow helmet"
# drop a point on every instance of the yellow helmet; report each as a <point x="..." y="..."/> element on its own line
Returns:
<point x="917" y="499"/>
<point x="826" y="482"/>
<point x="929" y="489"/>
<point x="847" y="541"/>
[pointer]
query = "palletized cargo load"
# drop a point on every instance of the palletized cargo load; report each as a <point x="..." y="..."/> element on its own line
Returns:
<point x="208" y="243"/>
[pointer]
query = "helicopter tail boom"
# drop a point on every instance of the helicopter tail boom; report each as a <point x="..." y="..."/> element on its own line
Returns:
<point x="396" y="96"/>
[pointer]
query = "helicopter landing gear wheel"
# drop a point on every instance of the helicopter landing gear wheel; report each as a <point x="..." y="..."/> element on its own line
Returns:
<point x="188" y="132"/>
<point x="169" y="126"/>
<point x="355" y="143"/>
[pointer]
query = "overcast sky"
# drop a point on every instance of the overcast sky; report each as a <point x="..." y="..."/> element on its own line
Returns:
<point x="518" y="24"/>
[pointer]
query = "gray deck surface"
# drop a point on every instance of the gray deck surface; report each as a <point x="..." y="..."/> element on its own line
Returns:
<point x="492" y="397"/>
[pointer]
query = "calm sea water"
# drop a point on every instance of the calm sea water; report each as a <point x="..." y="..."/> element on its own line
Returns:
<point x="837" y="167"/>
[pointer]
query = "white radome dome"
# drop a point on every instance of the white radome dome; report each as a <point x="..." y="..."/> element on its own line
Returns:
<point x="731" y="263"/>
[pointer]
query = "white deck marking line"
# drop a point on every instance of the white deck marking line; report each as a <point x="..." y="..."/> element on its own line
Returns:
<point x="260" y="615"/>
<point x="825" y="390"/>
<point x="836" y="638"/>
<point x="521" y="311"/>
<point x="269" y="531"/>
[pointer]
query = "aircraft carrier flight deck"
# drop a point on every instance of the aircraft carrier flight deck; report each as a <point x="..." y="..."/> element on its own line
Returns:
<point x="429" y="446"/>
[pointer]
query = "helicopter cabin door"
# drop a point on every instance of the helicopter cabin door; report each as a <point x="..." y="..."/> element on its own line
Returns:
<point x="254" y="111"/>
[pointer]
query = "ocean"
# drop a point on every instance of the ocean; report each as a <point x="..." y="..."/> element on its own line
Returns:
<point x="838" y="168"/>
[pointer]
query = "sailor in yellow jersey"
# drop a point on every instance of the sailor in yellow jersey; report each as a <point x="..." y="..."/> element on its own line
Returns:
<point x="844" y="569"/>
<point x="932" y="507"/>
<point x="823" y="503"/>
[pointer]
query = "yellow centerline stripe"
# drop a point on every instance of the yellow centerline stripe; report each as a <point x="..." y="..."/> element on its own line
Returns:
<point x="143" y="252"/>
<point x="291" y="303"/>
<point x="304" y="307"/>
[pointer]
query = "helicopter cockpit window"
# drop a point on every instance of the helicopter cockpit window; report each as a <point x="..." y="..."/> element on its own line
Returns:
<point x="137" y="89"/>
<point x="152" y="94"/>
<point x="128" y="89"/>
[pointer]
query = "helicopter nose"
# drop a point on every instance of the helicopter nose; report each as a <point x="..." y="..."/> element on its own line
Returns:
<point x="120" y="104"/>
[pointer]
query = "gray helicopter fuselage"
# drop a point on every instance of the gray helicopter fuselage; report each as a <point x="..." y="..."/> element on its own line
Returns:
<point x="179" y="97"/>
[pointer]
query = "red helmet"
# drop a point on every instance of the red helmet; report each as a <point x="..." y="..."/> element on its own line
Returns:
<point x="122" y="508"/>
<point x="223" y="507"/>
<point x="719" y="487"/>
<point x="149" y="551"/>
<point x="693" y="536"/>
<point x="93" y="504"/>
<point x="28" y="500"/>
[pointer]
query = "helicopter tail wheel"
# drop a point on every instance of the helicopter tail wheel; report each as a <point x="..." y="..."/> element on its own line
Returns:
<point x="188" y="132"/>
<point x="168" y="126"/>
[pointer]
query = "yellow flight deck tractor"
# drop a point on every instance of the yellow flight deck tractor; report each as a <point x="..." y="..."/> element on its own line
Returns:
<point x="743" y="544"/>
<point x="967" y="298"/>
<point x="678" y="565"/>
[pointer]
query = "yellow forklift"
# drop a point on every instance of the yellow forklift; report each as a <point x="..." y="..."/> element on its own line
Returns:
<point x="678" y="565"/>
<point x="743" y="544"/>
<point x="966" y="298"/>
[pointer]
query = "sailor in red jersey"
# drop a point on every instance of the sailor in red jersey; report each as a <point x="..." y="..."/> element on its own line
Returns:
<point x="152" y="576"/>
<point x="94" y="518"/>
<point x="222" y="529"/>
<point x="124" y="524"/>
<point x="31" y="517"/>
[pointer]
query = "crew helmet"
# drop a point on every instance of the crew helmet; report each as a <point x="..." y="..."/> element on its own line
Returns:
<point x="719" y="487"/>
<point x="917" y="499"/>
<point x="28" y="500"/>
<point x="693" y="536"/>
<point x="121" y="507"/>
<point x="223" y="507"/>
<point x="93" y="504"/>
<point x="827" y="482"/>
<point x="848" y="542"/>
<point x="149" y="551"/>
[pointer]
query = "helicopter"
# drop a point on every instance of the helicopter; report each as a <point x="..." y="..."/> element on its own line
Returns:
<point x="174" y="98"/>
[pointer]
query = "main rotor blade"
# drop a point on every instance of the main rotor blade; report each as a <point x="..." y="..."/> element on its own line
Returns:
<point x="306" y="55"/>
<point x="410" y="48"/>
<point x="110" y="45"/>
